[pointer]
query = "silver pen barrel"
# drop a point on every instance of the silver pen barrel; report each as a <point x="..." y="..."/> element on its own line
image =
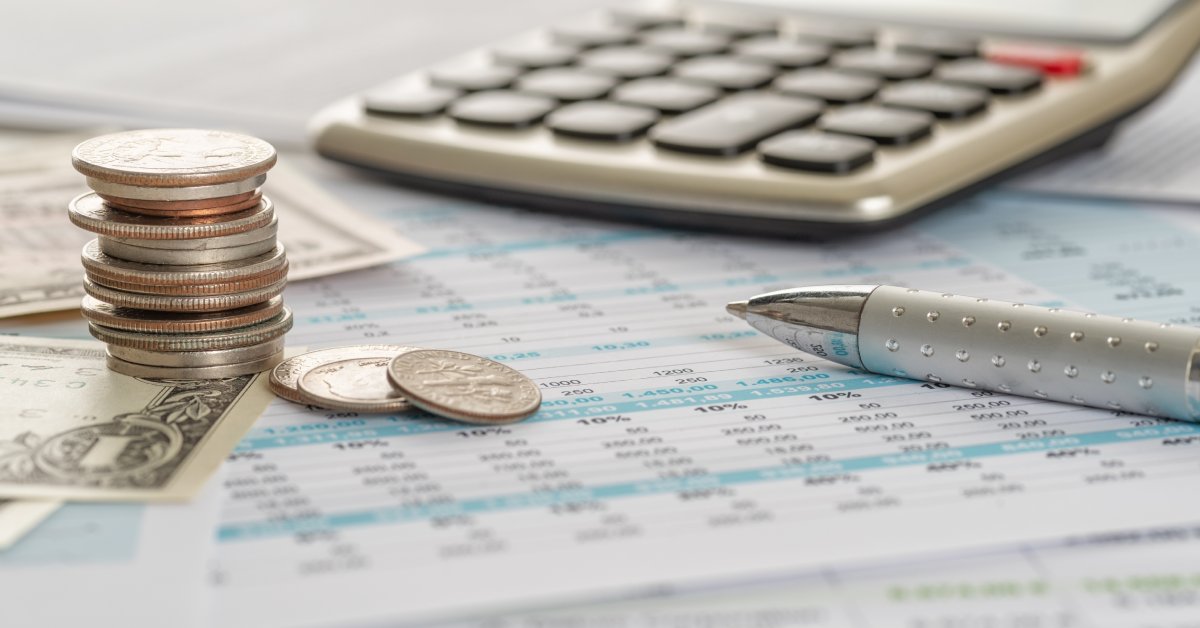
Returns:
<point x="1048" y="353"/>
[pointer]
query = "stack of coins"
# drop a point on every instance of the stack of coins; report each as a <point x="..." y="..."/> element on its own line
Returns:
<point x="395" y="378"/>
<point x="185" y="277"/>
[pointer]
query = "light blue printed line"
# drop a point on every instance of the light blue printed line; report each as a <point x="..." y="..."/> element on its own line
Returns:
<point x="245" y="531"/>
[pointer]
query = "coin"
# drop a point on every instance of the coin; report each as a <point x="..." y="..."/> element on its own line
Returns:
<point x="91" y="213"/>
<point x="173" y="206"/>
<point x="191" y="193"/>
<point x="200" y="372"/>
<point x="180" y="257"/>
<point x="354" y="385"/>
<point x="163" y="303"/>
<point x="267" y="231"/>
<point x="173" y="157"/>
<point x="285" y="377"/>
<point x="462" y="386"/>
<point x="98" y="264"/>
<point x="203" y="212"/>
<point x="129" y="319"/>
<point x="211" y="341"/>
<point x="228" y="287"/>
<point x="193" y="359"/>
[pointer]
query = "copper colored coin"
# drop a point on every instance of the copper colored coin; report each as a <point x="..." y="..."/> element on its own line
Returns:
<point x="96" y="263"/>
<point x="266" y="331"/>
<point x="220" y="210"/>
<point x="130" y="319"/>
<point x="166" y="303"/>
<point x="173" y="157"/>
<point x="90" y="212"/>
<point x="203" y="203"/>
<point x="204" y="289"/>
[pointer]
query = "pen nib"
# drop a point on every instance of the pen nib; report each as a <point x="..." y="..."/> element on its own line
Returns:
<point x="737" y="308"/>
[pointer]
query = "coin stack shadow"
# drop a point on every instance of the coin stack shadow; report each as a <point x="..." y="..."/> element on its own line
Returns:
<point x="183" y="281"/>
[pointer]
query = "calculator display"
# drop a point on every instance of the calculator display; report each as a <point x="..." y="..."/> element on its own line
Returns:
<point x="1098" y="20"/>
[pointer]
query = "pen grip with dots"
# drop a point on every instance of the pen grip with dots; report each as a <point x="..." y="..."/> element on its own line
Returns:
<point x="1048" y="353"/>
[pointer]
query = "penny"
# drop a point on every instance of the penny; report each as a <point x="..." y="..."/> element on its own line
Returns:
<point x="98" y="264"/>
<point x="462" y="386"/>
<point x="355" y="385"/>
<point x="200" y="372"/>
<point x="228" y="287"/>
<point x="193" y="359"/>
<point x="164" y="303"/>
<point x="263" y="332"/>
<point x="173" y="157"/>
<point x="169" y="257"/>
<point x="219" y="210"/>
<point x="285" y="377"/>
<point x="91" y="213"/>
<point x="191" y="193"/>
<point x="203" y="203"/>
<point x="267" y="231"/>
<point x="129" y="319"/>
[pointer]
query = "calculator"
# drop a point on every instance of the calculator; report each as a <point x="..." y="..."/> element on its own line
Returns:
<point x="781" y="117"/>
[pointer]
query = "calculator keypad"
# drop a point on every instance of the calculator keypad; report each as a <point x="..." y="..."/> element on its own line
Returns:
<point x="735" y="124"/>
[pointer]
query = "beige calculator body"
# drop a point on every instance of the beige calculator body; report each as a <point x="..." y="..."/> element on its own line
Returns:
<point x="951" y="103"/>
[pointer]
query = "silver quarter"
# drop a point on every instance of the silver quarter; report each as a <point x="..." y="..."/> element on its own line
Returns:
<point x="98" y="264"/>
<point x="173" y="157"/>
<point x="190" y="193"/>
<point x="462" y="386"/>
<point x="194" y="359"/>
<point x="250" y="236"/>
<point x="285" y="377"/>
<point x="355" y="385"/>
<point x="178" y="257"/>
<point x="129" y="319"/>
<point x="204" y="289"/>
<point x="162" y="303"/>
<point x="91" y="213"/>
<point x="265" y="331"/>
<point x="200" y="372"/>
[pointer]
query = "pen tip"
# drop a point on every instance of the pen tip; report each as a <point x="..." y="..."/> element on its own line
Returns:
<point x="737" y="308"/>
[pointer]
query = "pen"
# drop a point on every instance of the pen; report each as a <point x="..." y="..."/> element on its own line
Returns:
<point x="1049" y="353"/>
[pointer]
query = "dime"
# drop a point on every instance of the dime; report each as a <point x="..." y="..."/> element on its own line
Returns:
<point x="463" y="386"/>
<point x="163" y="303"/>
<point x="267" y="231"/>
<point x="89" y="212"/>
<point x="200" y="372"/>
<point x="285" y="377"/>
<point x="193" y="359"/>
<point x="98" y="264"/>
<point x="212" y="341"/>
<point x="173" y="206"/>
<point x="118" y="190"/>
<point x="129" y="319"/>
<point x="354" y="385"/>
<point x="173" y="157"/>
<point x="178" y="257"/>
<point x="204" y="289"/>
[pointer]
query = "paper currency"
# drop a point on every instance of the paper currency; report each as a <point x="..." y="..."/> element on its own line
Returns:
<point x="18" y="517"/>
<point x="71" y="429"/>
<point x="39" y="255"/>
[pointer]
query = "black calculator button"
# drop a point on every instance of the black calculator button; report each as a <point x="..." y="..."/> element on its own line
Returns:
<point x="831" y="86"/>
<point x="627" y="61"/>
<point x="998" y="78"/>
<point x="533" y="56"/>
<point x="944" y="45"/>
<point x="567" y="84"/>
<point x="414" y="102"/>
<point x="784" y="53"/>
<point x="667" y="95"/>
<point x="731" y="73"/>
<point x="593" y="35"/>
<point x="885" y="126"/>
<point x="641" y="18"/>
<point x="502" y="108"/>
<point x="943" y="100"/>
<point x="837" y="35"/>
<point x="602" y="120"/>
<point x="685" y="43"/>
<point x="474" y="79"/>
<point x="816" y="151"/>
<point x="735" y="124"/>
<point x="884" y="63"/>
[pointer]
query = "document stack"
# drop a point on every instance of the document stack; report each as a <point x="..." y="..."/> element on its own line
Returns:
<point x="185" y="276"/>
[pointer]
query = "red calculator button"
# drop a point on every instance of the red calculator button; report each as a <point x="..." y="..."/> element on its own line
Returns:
<point x="1049" y="59"/>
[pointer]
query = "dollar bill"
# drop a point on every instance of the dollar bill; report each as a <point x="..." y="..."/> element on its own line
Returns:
<point x="18" y="517"/>
<point x="71" y="429"/>
<point x="39" y="248"/>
